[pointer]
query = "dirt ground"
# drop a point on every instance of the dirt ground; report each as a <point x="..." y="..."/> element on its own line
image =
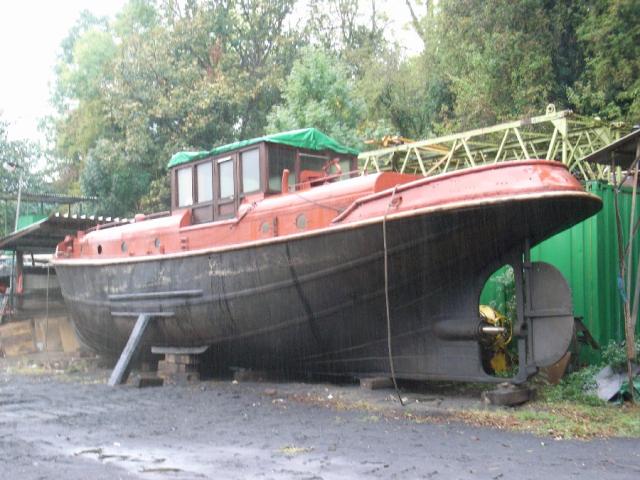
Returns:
<point x="73" y="426"/>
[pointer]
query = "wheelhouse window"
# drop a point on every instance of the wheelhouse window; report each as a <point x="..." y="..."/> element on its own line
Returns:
<point x="185" y="187"/>
<point x="250" y="171"/>
<point x="204" y="175"/>
<point x="345" y="166"/>
<point x="279" y="159"/>
<point x="226" y="185"/>
<point x="312" y="162"/>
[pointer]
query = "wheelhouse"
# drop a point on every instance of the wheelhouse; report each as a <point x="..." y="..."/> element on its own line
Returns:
<point x="213" y="184"/>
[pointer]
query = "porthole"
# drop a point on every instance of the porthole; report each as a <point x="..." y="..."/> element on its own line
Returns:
<point x="265" y="227"/>
<point x="301" y="221"/>
<point x="156" y="243"/>
<point x="99" y="249"/>
<point x="123" y="247"/>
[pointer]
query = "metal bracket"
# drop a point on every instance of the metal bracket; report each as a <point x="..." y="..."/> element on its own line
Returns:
<point x="155" y="295"/>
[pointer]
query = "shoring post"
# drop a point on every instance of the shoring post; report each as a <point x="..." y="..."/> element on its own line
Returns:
<point x="630" y="324"/>
<point x="624" y="285"/>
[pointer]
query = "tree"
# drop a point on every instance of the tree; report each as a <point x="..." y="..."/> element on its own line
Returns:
<point x="610" y="83"/>
<point x="499" y="58"/>
<point x="421" y="25"/>
<point x="174" y="75"/>
<point x="343" y="28"/>
<point x="161" y="79"/>
<point x="414" y="97"/>
<point x="116" y="176"/>
<point x="318" y="93"/>
<point x="83" y="68"/>
<point x="266" y="51"/>
<point x="24" y="155"/>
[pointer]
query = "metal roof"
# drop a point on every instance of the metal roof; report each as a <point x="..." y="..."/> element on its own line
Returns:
<point x="44" y="235"/>
<point x="623" y="151"/>
<point x="47" y="197"/>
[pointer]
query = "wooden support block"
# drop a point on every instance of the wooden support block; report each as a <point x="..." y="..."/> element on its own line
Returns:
<point x="144" y="382"/>
<point x="121" y="370"/>
<point x="170" y="367"/>
<point x="17" y="338"/>
<point x="68" y="336"/>
<point x="179" y="378"/>
<point x="376" y="383"/>
<point x="507" y="394"/>
<point x="184" y="359"/>
<point x="145" y="367"/>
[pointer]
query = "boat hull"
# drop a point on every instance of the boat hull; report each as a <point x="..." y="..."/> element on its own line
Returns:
<point x="316" y="302"/>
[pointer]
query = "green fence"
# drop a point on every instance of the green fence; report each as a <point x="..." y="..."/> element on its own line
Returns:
<point x="587" y="255"/>
<point x="26" y="220"/>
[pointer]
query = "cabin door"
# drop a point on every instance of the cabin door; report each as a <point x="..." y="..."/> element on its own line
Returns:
<point x="226" y="189"/>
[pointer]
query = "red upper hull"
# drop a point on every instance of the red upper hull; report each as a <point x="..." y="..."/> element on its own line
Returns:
<point x="337" y="205"/>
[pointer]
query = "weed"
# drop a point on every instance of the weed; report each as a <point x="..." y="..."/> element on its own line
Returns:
<point x="579" y="387"/>
<point x="615" y="354"/>
<point x="291" y="450"/>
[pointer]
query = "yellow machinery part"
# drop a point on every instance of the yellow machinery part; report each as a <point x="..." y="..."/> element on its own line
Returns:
<point x="499" y="362"/>
<point x="499" y="343"/>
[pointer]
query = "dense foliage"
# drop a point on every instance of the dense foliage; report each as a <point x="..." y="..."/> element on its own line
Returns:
<point x="168" y="75"/>
<point x="18" y="160"/>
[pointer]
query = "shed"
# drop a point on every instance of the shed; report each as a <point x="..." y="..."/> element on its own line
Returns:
<point x="33" y="315"/>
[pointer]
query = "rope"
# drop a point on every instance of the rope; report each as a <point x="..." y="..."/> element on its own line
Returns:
<point x="321" y="205"/>
<point x="386" y="294"/>
<point x="46" y="328"/>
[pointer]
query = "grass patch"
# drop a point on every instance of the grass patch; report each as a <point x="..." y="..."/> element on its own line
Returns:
<point x="561" y="420"/>
<point x="570" y="409"/>
<point x="291" y="450"/>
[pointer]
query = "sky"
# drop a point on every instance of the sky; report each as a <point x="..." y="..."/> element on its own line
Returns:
<point x="30" y="36"/>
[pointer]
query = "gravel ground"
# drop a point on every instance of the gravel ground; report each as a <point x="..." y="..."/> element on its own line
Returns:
<point x="76" y="427"/>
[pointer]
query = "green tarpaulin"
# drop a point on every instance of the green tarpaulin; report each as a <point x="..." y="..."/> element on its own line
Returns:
<point x="308" y="138"/>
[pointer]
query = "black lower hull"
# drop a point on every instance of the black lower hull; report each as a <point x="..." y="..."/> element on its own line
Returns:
<point x="317" y="303"/>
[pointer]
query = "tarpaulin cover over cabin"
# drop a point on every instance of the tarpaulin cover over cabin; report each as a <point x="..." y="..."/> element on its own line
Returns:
<point x="307" y="138"/>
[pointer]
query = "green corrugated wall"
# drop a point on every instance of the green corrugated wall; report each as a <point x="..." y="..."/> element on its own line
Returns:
<point x="587" y="255"/>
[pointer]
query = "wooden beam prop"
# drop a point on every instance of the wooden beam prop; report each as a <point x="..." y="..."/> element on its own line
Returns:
<point x="120" y="372"/>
